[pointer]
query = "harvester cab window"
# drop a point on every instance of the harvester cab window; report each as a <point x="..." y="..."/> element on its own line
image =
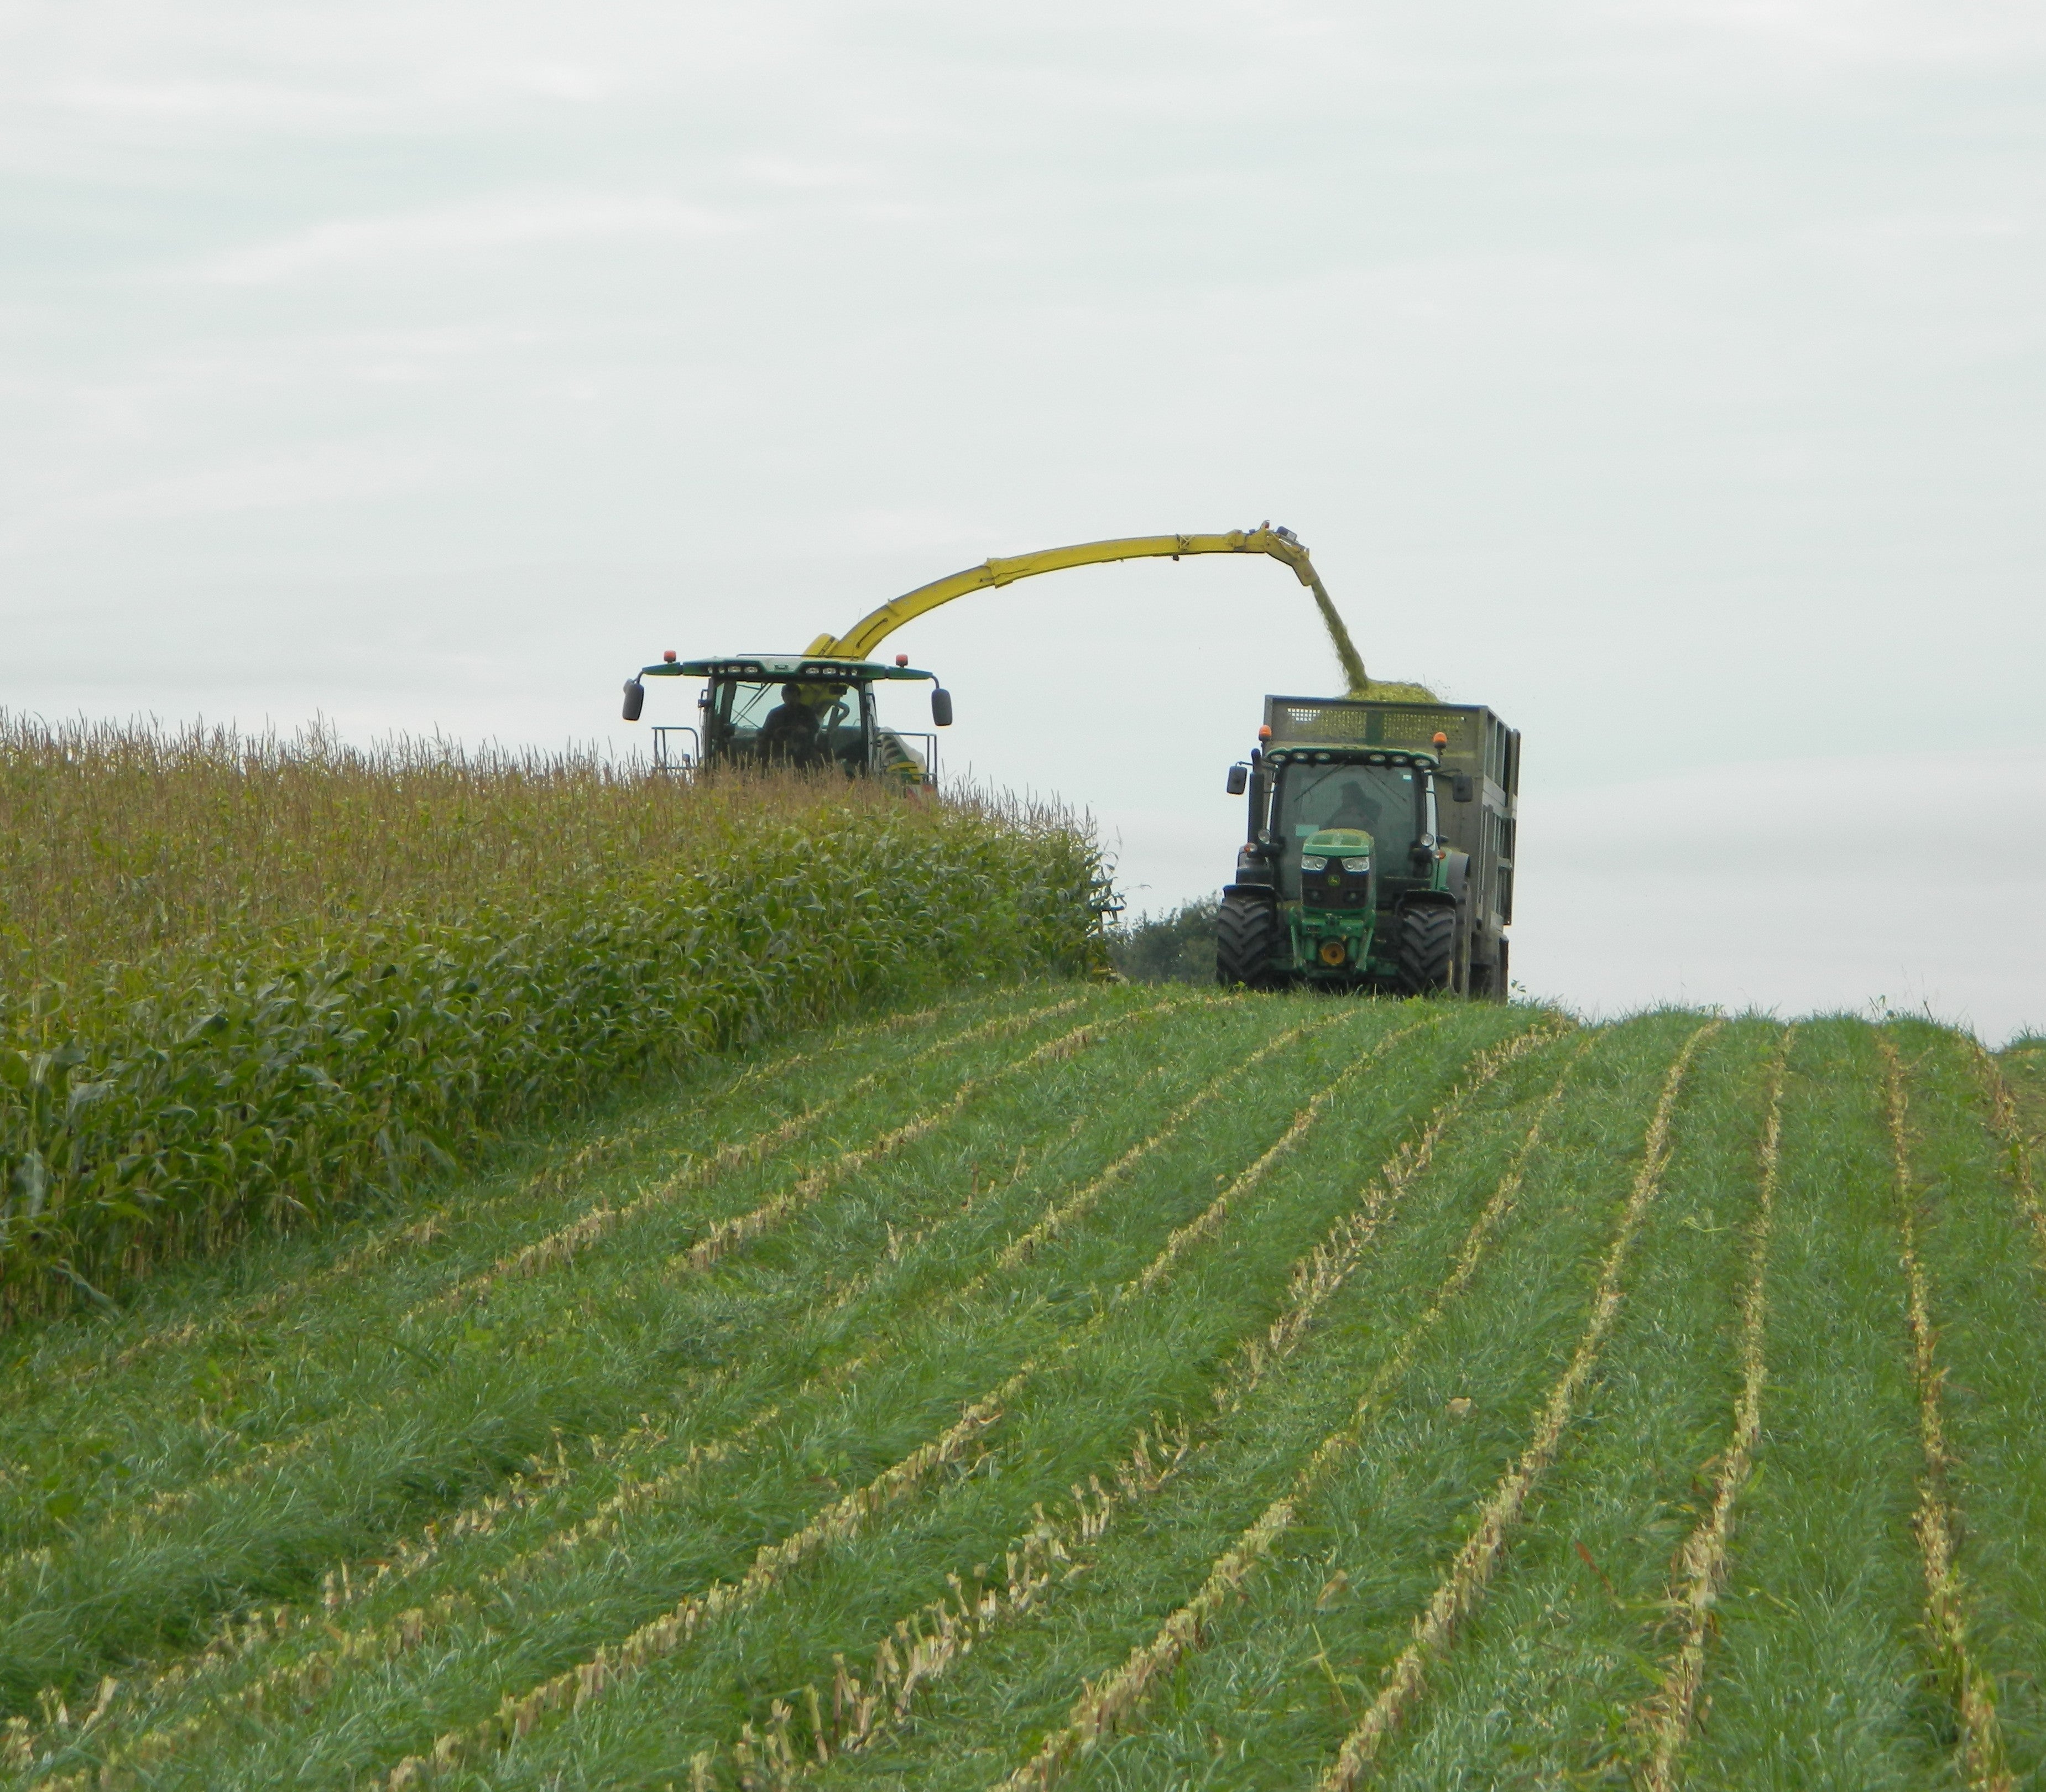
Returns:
<point x="903" y="743"/>
<point x="782" y="723"/>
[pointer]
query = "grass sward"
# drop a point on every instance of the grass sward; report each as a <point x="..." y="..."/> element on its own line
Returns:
<point x="1541" y="1685"/>
<point x="489" y="1410"/>
<point x="1817" y="1676"/>
<point x="1665" y="1716"/>
<point x="1984" y="1286"/>
<point x="996" y="1401"/>
<point x="1937" y="1520"/>
<point x="934" y="1633"/>
<point x="1464" y="1584"/>
<point x="654" y="1459"/>
<point x="1201" y="1535"/>
<point x="862" y="1420"/>
<point x="1704" y="1446"/>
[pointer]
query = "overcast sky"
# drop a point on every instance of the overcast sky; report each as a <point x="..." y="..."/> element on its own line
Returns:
<point x="1669" y="377"/>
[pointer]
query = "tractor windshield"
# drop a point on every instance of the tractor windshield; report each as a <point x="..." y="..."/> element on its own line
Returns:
<point x="804" y="726"/>
<point x="1385" y="800"/>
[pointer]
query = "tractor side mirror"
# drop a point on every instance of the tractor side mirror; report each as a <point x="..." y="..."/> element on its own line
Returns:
<point x="941" y="706"/>
<point x="1460" y="786"/>
<point x="1239" y="779"/>
<point x="635" y="699"/>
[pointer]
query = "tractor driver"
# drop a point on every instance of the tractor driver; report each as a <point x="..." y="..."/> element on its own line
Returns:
<point x="1355" y="808"/>
<point x="788" y="736"/>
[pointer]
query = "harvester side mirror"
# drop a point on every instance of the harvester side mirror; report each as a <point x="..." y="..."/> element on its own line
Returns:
<point x="1460" y="786"/>
<point x="635" y="699"/>
<point x="1239" y="779"/>
<point x="941" y="706"/>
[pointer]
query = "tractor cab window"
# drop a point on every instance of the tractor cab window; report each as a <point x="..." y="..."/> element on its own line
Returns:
<point x="804" y="726"/>
<point x="1385" y="800"/>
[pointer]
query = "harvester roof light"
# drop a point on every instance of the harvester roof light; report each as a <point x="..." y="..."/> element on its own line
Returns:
<point x="902" y="659"/>
<point x="1378" y="758"/>
<point x="1441" y="741"/>
<point x="1263" y="730"/>
<point x="1321" y="758"/>
<point x="668" y="658"/>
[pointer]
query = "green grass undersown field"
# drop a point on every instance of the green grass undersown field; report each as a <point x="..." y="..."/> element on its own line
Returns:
<point x="1114" y="1387"/>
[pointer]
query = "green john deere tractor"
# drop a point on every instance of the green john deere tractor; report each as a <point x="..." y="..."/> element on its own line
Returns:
<point x="1379" y="853"/>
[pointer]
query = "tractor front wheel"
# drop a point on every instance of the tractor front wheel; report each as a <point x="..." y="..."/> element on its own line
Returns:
<point x="1246" y="940"/>
<point x="1427" y="948"/>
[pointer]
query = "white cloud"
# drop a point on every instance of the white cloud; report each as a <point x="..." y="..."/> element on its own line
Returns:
<point x="487" y="225"/>
<point x="326" y="474"/>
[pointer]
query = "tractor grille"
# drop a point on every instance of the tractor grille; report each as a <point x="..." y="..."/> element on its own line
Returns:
<point x="1335" y="889"/>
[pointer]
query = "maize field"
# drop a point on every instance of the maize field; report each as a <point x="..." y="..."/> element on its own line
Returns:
<point x="246" y="984"/>
<point x="1098" y="1386"/>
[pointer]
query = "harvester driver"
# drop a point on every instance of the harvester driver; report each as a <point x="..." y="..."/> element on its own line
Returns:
<point x="788" y="736"/>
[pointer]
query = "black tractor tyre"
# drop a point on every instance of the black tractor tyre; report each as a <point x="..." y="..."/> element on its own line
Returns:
<point x="1427" y="948"/>
<point x="1246" y="939"/>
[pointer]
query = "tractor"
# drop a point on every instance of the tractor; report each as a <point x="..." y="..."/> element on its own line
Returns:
<point x="1379" y="854"/>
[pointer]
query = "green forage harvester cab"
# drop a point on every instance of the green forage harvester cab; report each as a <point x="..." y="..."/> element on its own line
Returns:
<point x="1379" y="849"/>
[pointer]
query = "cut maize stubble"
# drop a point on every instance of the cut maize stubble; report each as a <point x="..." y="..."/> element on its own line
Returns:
<point x="555" y="1174"/>
<point x="862" y="1717"/>
<point x="2010" y="1134"/>
<point x="576" y="1687"/>
<point x="318" y="1670"/>
<point x="1103" y="1706"/>
<point x="1665" y="1716"/>
<point x="561" y="1246"/>
<point x="1471" y="1571"/>
<point x="1937" y="1523"/>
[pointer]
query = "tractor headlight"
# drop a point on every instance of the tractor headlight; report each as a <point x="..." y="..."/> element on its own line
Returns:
<point x="1313" y="862"/>
<point x="1356" y="868"/>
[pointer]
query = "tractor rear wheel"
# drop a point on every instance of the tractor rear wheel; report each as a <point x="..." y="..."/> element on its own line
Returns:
<point x="1427" y="948"/>
<point x="1246" y="939"/>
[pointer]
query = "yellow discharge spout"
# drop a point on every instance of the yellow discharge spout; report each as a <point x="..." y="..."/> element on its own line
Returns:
<point x="860" y="640"/>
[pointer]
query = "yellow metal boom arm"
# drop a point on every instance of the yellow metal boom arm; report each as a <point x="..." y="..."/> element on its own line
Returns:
<point x="860" y="640"/>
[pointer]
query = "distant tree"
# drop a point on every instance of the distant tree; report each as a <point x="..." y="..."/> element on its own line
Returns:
<point x="1178" y="947"/>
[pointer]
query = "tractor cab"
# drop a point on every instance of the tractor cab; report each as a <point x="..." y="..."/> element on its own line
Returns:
<point x="1342" y="809"/>
<point x="798" y="713"/>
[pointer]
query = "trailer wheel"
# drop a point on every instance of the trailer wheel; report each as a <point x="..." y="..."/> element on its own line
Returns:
<point x="1490" y="983"/>
<point x="1246" y="939"/>
<point x="1427" y="948"/>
